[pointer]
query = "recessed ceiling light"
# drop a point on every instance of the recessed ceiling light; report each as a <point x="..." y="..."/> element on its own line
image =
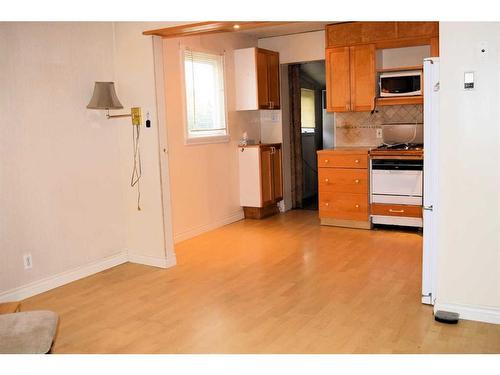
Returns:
<point x="236" y="26"/>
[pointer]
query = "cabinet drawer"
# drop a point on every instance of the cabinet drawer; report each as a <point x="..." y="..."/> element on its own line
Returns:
<point x="343" y="180"/>
<point x="343" y="206"/>
<point x="396" y="210"/>
<point x="343" y="160"/>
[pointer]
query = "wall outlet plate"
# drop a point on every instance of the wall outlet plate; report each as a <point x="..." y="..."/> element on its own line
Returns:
<point x="28" y="263"/>
<point x="379" y="133"/>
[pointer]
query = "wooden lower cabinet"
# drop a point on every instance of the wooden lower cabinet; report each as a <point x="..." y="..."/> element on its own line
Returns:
<point x="401" y="210"/>
<point x="343" y="185"/>
<point x="261" y="179"/>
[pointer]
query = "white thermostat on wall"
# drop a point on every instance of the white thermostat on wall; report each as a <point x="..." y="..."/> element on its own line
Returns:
<point x="468" y="80"/>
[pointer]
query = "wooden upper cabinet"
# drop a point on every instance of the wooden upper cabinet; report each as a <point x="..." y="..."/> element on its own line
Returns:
<point x="262" y="79"/>
<point x="350" y="78"/>
<point x="256" y="79"/>
<point x="338" y="80"/>
<point x="363" y="74"/>
<point x="351" y="33"/>
<point x="417" y="29"/>
<point x="374" y="31"/>
<point x="343" y="34"/>
<point x="273" y="65"/>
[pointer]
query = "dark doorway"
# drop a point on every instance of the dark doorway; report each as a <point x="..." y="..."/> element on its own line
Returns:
<point x="307" y="86"/>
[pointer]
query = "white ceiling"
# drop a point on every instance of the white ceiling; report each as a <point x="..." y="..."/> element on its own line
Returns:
<point x="287" y="29"/>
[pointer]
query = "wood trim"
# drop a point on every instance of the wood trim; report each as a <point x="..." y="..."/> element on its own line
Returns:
<point x="260" y="212"/>
<point x="400" y="69"/>
<point x="355" y="224"/>
<point x="435" y="47"/>
<point x="400" y="100"/>
<point x="209" y="27"/>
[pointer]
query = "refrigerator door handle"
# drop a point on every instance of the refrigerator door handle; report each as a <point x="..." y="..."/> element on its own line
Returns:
<point x="436" y="87"/>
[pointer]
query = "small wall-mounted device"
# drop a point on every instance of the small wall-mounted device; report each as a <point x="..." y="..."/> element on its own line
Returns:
<point x="468" y="80"/>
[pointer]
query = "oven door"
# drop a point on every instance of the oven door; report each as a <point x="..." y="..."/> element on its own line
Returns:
<point x="397" y="182"/>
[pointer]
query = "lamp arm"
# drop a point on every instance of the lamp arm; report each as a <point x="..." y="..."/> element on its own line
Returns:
<point x="117" y="116"/>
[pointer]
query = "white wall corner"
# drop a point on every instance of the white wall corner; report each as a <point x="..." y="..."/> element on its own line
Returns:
<point x="161" y="262"/>
<point x="193" y="232"/>
<point x="484" y="314"/>
<point x="63" y="278"/>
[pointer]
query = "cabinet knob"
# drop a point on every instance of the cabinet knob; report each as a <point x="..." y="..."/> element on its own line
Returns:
<point x="356" y="161"/>
<point x="357" y="206"/>
<point x="327" y="180"/>
<point x="356" y="181"/>
<point x="327" y="204"/>
<point x="326" y="160"/>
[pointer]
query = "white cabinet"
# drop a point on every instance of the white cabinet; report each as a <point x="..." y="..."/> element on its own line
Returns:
<point x="256" y="79"/>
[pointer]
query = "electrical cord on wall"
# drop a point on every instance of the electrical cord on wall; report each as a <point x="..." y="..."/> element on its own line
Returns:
<point x="137" y="169"/>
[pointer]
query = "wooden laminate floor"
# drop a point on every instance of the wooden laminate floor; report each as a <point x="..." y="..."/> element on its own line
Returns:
<point x="279" y="285"/>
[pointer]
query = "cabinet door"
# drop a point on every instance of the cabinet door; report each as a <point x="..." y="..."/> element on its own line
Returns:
<point x="277" y="174"/>
<point x="266" y="173"/>
<point x="262" y="79"/>
<point x="273" y="71"/>
<point x="362" y="65"/>
<point x="338" y="91"/>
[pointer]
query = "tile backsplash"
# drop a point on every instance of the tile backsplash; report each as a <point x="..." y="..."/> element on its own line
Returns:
<point x="360" y="128"/>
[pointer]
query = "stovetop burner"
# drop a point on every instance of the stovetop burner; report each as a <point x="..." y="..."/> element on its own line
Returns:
<point x="402" y="146"/>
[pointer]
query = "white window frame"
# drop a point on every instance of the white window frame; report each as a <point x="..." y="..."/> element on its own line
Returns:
<point x="309" y="130"/>
<point x="210" y="138"/>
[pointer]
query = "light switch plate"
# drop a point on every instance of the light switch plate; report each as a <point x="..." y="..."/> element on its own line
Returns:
<point x="469" y="81"/>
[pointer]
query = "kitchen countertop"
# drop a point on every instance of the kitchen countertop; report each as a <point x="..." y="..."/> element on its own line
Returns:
<point x="348" y="149"/>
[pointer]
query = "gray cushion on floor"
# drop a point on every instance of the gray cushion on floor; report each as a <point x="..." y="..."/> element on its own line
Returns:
<point x="28" y="332"/>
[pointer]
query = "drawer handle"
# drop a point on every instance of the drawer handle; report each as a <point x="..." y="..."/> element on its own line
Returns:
<point x="357" y="206"/>
<point x="327" y="180"/>
<point x="356" y="181"/>
<point x="396" y="211"/>
<point x="356" y="161"/>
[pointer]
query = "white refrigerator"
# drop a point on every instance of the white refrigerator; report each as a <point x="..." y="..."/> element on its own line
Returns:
<point x="431" y="180"/>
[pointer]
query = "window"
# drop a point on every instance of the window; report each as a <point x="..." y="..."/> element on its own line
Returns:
<point x="205" y="100"/>
<point x="307" y="111"/>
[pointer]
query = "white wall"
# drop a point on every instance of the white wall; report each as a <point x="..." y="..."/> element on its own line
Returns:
<point x="469" y="150"/>
<point x="62" y="197"/>
<point x="65" y="170"/>
<point x="297" y="48"/>
<point x="204" y="177"/>
<point x="135" y="84"/>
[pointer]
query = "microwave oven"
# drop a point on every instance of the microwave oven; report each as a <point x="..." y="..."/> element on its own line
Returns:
<point x="402" y="83"/>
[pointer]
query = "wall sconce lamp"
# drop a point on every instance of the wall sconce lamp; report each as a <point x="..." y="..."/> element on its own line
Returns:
<point x="104" y="97"/>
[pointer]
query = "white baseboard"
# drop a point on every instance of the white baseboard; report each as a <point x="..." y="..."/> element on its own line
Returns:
<point x="62" y="278"/>
<point x="468" y="312"/>
<point x="237" y="216"/>
<point x="152" y="261"/>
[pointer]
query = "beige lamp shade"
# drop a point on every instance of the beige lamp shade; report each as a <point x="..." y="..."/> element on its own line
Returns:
<point x="104" y="97"/>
